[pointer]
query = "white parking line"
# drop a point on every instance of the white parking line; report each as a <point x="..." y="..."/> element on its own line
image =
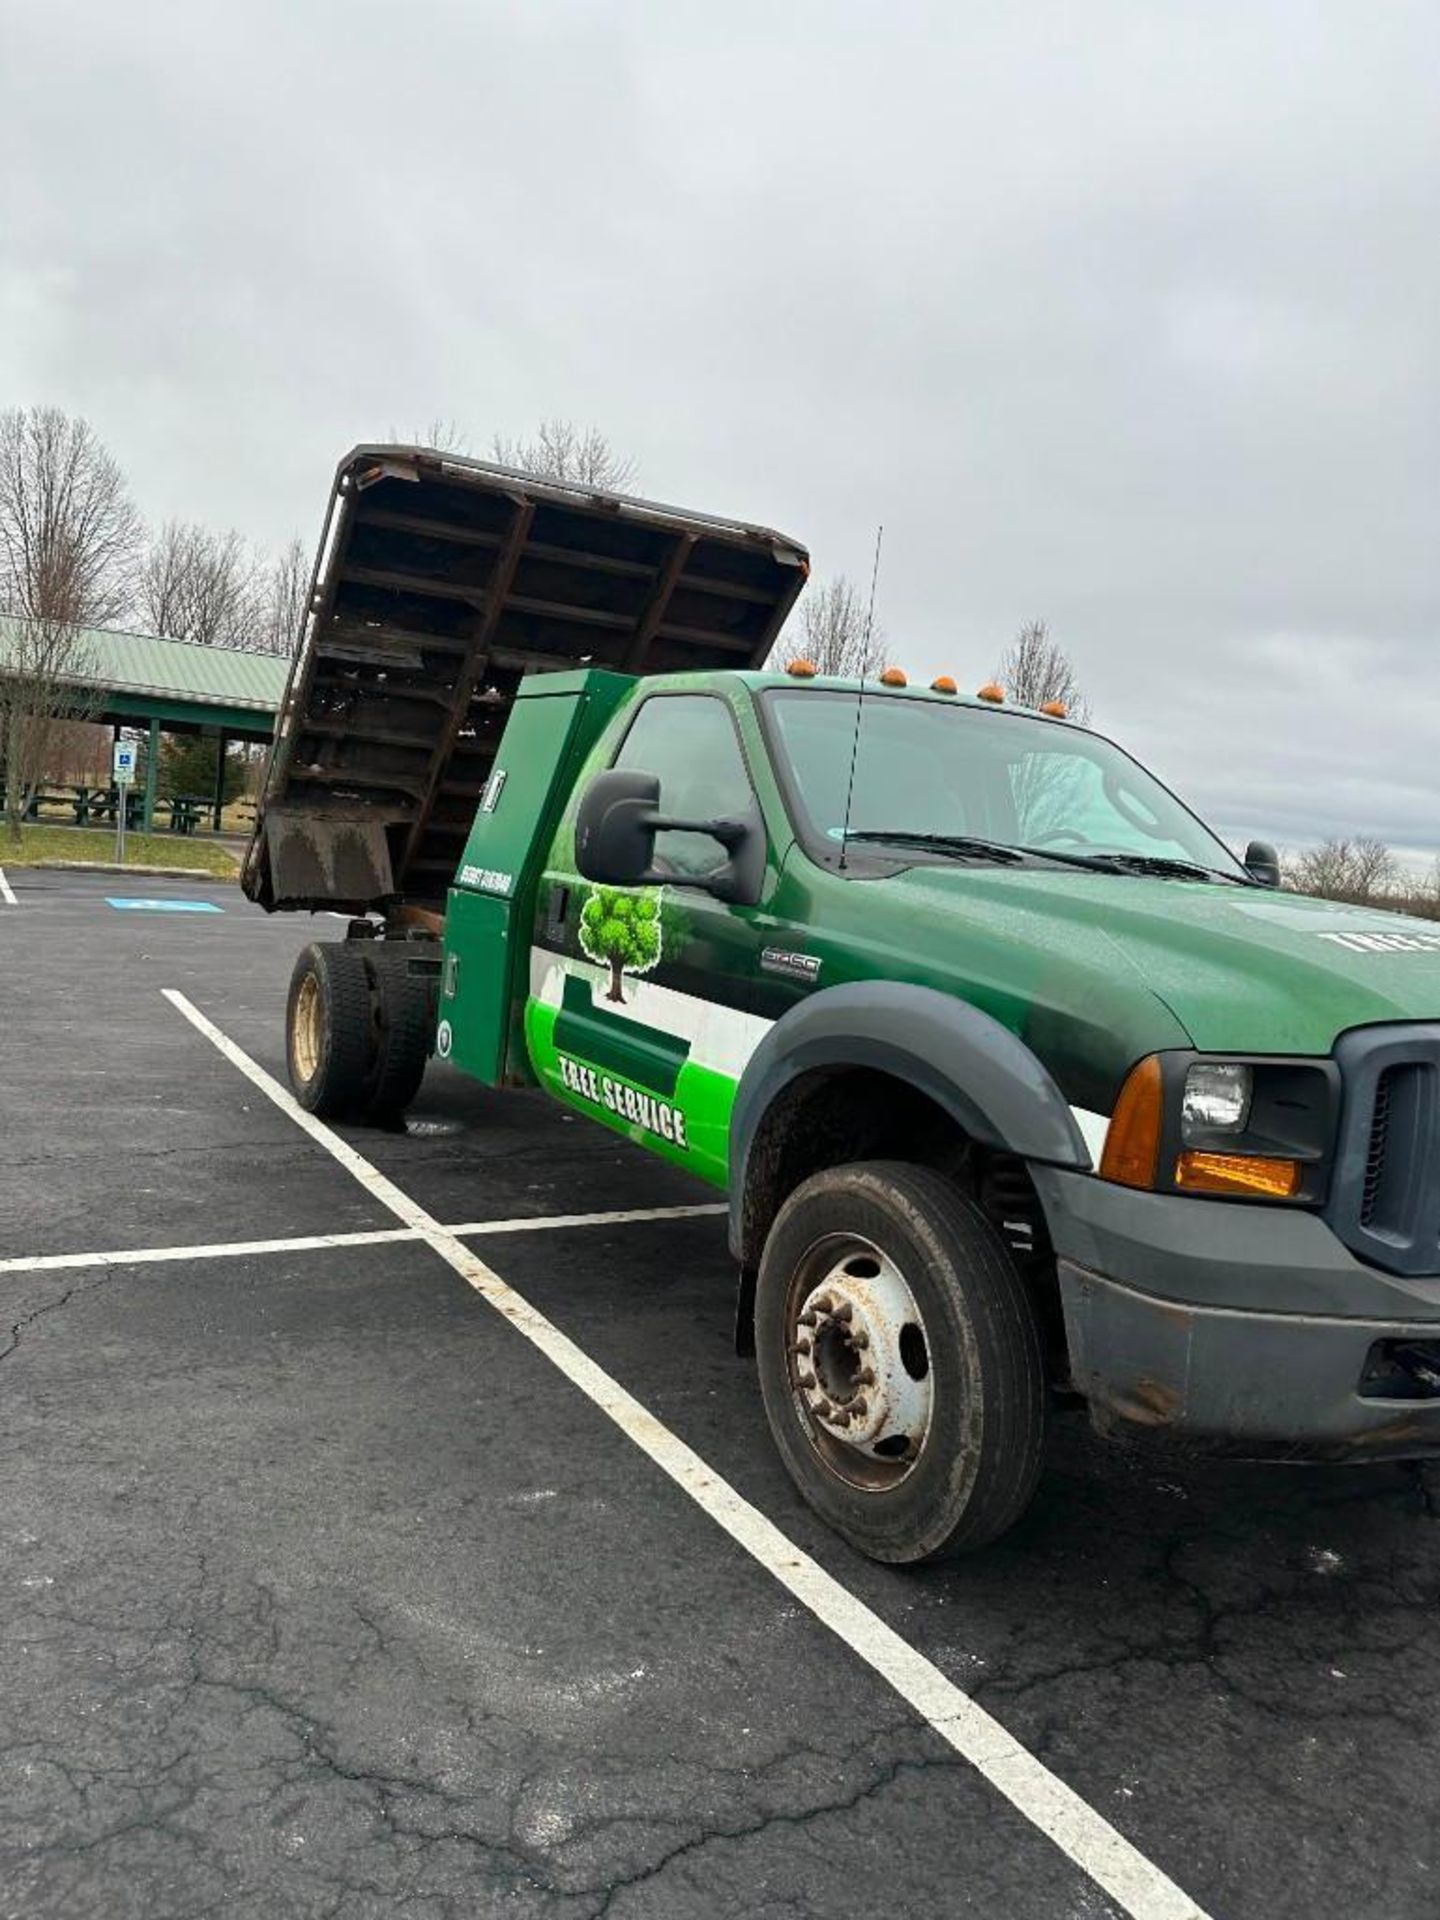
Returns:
<point x="322" y="1242"/>
<point x="1083" y="1835"/>
<point x="623" y="1217"/>
<point x="220" y="1250"/>
<point x="5" y="894"/>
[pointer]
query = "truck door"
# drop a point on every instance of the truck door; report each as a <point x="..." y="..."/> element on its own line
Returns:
<point x="642" y="1006"/>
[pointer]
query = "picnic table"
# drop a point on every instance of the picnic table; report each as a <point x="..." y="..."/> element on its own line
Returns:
<point x="83" y="803"/>
<point x="95" y="806"/>
<point x="100" y="803"/>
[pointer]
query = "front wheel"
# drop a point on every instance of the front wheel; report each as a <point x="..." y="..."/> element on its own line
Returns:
<point x="900" y="1362"/>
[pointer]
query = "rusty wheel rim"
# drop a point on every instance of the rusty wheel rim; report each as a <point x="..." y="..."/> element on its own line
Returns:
<point x="307" y="1028"/>
<point x="858" y="1362"/>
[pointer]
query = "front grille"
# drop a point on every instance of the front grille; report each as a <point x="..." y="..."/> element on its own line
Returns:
<point x="1379" y="1142"/>
<point x="1385" y="1197"/>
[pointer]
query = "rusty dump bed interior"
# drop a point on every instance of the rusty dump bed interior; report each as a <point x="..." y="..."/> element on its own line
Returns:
<point x="440" y="583"/>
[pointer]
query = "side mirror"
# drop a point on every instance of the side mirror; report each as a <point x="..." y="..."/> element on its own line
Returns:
<point x="1262" y="863"/>
<point x="615" y="828"/>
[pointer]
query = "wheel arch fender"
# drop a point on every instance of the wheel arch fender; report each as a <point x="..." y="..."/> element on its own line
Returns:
<point x="984" y="1076"/>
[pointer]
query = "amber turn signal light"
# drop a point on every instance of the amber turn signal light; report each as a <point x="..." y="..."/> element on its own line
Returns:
<point x="942" y="683"/>
<point x="800" y="669"/>
<point x="1056" y="709"/>
<point x="1238" y="1173"/>
<point x="894" y="677"/>
<point x="993" y="692"/>
<point x="1132" y="1145"/>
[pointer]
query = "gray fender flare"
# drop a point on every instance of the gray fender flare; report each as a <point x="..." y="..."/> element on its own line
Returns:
<point x="986" y="1078"/>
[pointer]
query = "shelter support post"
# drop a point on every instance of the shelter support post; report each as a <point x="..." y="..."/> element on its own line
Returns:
<point x="152" y="770"/>
<point x="220" y="778"/>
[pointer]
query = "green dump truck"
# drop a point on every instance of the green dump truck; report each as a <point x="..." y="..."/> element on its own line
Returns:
<point x="1023" y="1089"/>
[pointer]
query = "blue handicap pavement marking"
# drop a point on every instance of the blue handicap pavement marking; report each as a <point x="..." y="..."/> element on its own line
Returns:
<point x="165" y="906"/>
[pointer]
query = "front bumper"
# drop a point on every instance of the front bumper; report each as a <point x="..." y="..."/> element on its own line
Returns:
<point x="1240" y="1329"/>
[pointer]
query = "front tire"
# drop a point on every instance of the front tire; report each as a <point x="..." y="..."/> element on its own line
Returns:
<point x="900" y="1362"/>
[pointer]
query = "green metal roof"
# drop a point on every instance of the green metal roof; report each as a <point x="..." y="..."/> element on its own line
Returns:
<point x="140" y="664"/>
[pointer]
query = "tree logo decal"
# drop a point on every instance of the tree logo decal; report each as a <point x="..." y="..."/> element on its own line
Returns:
<point x="621" y="931"/>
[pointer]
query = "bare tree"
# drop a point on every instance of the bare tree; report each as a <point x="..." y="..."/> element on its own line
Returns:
<point x="68" y="527"/>
<point x="1360" y="870"/>
<point x="1033" y="669"/>
<point x="836" y="634"/>
<point x="286" y="597"/>
<point x="43" y="667"/>
<point x="441" y="436"/>
<point x="196" y="584"/>
<point x="560" y="450"/>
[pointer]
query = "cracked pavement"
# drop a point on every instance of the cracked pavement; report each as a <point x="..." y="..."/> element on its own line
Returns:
<point x="323" y="1594"/>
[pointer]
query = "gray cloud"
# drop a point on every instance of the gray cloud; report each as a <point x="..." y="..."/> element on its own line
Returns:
<point x="1124" y="315"/>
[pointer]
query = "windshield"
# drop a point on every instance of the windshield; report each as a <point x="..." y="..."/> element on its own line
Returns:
<point x="923" y="767"/>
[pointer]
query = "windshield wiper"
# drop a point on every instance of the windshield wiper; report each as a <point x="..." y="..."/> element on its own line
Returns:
<point x="1164" y="866"/>
<point x="959" y="844"/>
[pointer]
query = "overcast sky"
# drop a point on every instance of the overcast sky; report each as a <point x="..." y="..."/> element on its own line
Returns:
<point x="1124" y="316"/>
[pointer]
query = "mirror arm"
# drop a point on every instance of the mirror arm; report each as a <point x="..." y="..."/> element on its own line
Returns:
<point x="730" y="833"/>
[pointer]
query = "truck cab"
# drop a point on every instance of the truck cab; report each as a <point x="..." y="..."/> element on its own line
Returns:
<point x="1023" y="1089"/>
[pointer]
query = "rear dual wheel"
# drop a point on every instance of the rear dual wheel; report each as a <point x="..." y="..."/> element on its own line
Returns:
<point x="358" y="1030"/>
<point x="900" y="1362"/>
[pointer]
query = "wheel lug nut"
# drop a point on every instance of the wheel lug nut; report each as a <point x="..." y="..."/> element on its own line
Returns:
<point x="825" y="1304"/>
<point x="807" y="1319"/>
<point x="802" y="1346"/>
<point x="859" y="1409"/>
<point x="861" y="1339"/>
<point x="844" y="1311"/>
<point x="806" y="1380"/>
<point x="867" y="1376"/>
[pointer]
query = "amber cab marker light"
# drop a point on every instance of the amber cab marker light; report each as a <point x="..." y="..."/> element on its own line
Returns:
<point x="942" y="683"/>
<point x="894" y="677"/>
<point x="1056" y="709"/>
<point x="1238" y="1173"/>
<point x="1132" y="1145"/>
<point x="993" y="692"/>
<point x="800" y="669"/>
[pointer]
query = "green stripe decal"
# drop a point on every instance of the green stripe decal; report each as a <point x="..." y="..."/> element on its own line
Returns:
<point x="643" y="1056"/>
<point x="689" y="1125"/>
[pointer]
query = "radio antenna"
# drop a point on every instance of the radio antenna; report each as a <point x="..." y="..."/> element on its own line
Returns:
<point x="860" y="696"/>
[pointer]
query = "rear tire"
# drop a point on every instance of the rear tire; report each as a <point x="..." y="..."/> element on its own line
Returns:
<point x="909" y="1407"/>
<point x="405" y="1029"/>
<point x="329" y="1030"/>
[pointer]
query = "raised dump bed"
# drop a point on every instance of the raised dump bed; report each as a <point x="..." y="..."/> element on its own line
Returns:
<point x="440" y="583"/>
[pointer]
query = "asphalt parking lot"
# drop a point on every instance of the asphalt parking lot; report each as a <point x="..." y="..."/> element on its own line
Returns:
<point x="324" y="1592"/>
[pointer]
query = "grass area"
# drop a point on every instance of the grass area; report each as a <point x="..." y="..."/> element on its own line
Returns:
<point x="238" y="817"/>
<point x="40" y="845"/>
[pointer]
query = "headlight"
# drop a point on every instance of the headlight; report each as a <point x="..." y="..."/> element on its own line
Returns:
<point x="1216" y="1100"/>
<point x="1261" y="1128"/>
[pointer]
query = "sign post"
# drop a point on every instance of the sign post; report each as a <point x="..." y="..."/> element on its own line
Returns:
<point x="124" y="773"/>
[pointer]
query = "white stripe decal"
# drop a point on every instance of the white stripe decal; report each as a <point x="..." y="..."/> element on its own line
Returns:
<point x="1136" y="1884"/>
<point x="721" y="1038"/>
<point x="1094" y="1127"/>
<point x="5" y="894"/>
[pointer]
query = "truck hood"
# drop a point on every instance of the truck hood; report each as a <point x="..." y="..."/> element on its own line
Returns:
<point x="1241" y="969"/>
